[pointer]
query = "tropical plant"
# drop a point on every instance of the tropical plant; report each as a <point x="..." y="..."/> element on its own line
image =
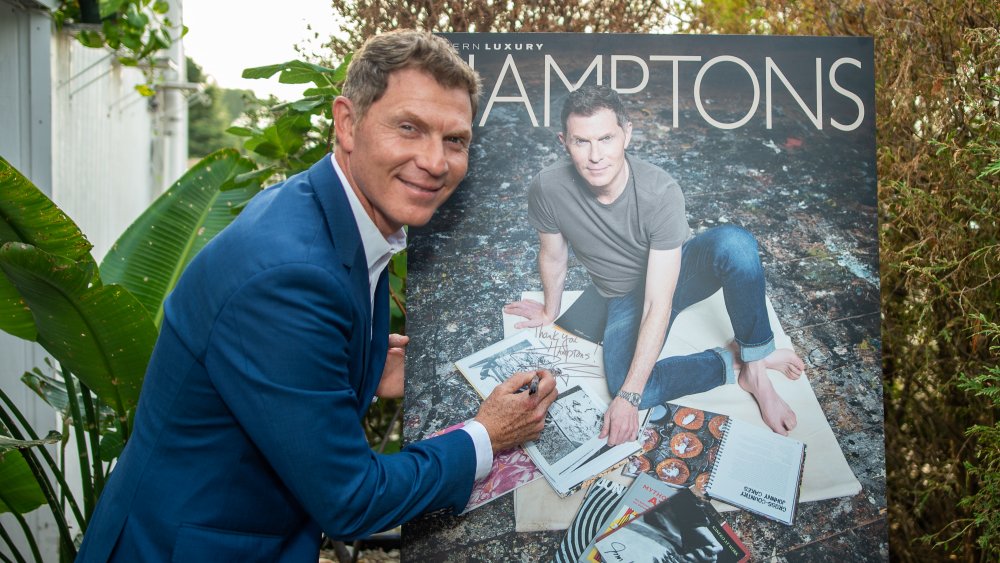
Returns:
<point x="136" y="30"/>
<point x="287" y="138"/>
<point x="98" y="324"/>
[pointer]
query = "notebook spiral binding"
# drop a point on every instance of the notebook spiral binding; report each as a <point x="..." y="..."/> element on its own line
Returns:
<point x="722" y="446"/>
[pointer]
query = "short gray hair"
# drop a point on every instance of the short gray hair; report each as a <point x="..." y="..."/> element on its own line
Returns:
<point x="589" y="99"/>
<point x="381" y="55"/>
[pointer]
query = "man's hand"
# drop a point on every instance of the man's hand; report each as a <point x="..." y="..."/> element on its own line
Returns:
<point x="621" y="422"/>
<point x="529" y="309"/>
<point x="512" y="418"/>
<point x="391" y="385"/>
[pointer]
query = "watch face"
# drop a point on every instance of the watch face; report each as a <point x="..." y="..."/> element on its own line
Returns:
<point x="632" y="398"/>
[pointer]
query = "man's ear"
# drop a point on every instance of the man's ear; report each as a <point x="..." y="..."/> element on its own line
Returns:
<point x="562" y="138"/>
<point x="343" y="122"/>
<point x="628" y="133"/>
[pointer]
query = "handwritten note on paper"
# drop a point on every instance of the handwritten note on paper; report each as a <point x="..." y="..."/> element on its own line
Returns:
<point x="572" y="360"/>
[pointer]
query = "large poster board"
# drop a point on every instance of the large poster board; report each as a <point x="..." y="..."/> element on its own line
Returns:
<point x="774" y="134"/>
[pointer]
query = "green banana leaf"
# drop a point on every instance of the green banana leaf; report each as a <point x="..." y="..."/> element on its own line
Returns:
<point x="27" y="215"/>
<point x="49" y="389"/>
<point x="102" y="334"/>
<point x="19" y="492"/>
<point x="53" y="391"/>
<point x="151" y="254"/>
<point x="7" y="443"/>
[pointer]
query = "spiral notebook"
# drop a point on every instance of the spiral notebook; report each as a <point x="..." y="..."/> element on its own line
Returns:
<point x="758" y="470"/>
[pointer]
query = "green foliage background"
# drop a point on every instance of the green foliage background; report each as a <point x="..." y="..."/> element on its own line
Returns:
<point x="210" y="112"/>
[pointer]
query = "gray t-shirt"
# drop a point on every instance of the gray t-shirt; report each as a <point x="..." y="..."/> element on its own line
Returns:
<point x="612" y="241"/>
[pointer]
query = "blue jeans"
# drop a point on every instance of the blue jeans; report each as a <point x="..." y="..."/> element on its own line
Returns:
<point x="723" y="257"/>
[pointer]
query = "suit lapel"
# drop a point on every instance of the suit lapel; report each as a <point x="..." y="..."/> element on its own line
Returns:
<point x="344" y="232"/>
<point x="380" y="342"/>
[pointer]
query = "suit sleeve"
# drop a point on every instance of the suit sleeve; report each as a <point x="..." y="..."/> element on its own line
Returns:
<point x="280" y="356"/>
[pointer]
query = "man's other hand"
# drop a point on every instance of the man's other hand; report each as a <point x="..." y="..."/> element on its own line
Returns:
<point x="529" y="309"/>
<point x="391" y="385"/>
<point x="621" y="422"/>
<point x="511" y="417"/>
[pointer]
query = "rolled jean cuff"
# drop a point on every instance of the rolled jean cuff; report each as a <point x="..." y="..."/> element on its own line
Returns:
<point x="758" y="352"/>
<point x="727" y="361"/>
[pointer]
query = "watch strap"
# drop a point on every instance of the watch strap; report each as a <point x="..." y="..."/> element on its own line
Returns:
<point x="631" y="397"/>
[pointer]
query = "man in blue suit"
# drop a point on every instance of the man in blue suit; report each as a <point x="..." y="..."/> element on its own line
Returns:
<point x="248" y="440"/>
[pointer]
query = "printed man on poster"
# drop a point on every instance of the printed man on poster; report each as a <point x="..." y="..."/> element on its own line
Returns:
<point x="625" y="220"/>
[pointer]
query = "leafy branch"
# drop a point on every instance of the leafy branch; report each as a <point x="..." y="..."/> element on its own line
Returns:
<point x="136" y="30"/>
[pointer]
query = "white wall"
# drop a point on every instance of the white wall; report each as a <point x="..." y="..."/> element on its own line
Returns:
<point x="102" y="144"/>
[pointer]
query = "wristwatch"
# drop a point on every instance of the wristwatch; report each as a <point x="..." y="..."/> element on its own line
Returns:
<point x="632" y="398"/>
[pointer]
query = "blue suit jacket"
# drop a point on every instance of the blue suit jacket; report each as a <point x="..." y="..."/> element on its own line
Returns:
<point x="248" y="439"/>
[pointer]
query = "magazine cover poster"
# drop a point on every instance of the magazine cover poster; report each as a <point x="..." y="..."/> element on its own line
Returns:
<point x="773" y="135"/>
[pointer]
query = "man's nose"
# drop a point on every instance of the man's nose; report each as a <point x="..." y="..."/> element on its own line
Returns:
<point x="432" y="158"/>
<point x="595" y="152"/>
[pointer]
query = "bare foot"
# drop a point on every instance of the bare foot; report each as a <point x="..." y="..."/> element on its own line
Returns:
<point x="773" y="409"/>
<point x="782" y="359"/>
<point x="785" y="361"/>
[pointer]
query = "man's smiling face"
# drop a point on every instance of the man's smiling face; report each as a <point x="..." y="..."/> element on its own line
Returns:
<point x="409" y="151"/>
<point x="596" y="143"/>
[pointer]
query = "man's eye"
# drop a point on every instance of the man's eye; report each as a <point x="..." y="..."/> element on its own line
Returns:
<point x="407" y="127"/>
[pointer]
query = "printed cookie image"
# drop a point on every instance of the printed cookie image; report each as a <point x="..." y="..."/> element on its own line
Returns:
<point x="715" y="425"/>
<point x="650" y="439"/>
<point x="641" y="464"/>
<point x="692" y="419"/>
<point x="673" y="470"/>
<point x="699" y="483"/>
<point x="685" y="445"/>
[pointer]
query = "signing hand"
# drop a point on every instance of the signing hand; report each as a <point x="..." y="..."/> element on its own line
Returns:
<point x="529" y="309"/>
<point x="511" y="417"/>
<point x="391" y="385"/>
<point x="621" y="422"/>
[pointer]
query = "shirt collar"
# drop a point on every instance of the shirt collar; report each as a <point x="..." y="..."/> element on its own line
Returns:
<point x="378" y="248"/>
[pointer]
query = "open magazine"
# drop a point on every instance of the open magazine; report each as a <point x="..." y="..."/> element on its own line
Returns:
<point x="599" y="505"/>
<point x="681" y="528"/>
<point x="645" y="493"/>
<point x="568" y="452"/>
<point x="510" y="470"/>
